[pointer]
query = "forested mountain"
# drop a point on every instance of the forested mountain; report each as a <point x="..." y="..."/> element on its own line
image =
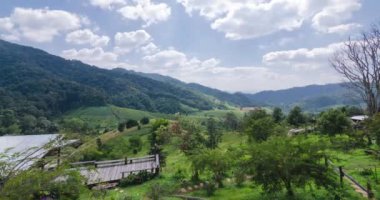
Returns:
<point x="238" y="99"/>
<point x="35" y="83"/>
<point x="311" y="98"/>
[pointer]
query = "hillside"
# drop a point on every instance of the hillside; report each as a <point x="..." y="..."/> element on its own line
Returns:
<point x="311" y="98"/>
<point x="231" y="98"/>
<point x="35" y="82"/>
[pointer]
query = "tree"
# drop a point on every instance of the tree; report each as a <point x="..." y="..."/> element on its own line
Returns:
<point x="121" y="127"/>
<point x="231" y="121"/>
<point x="333" y="122"/>
<point x="214" y="136"/>
<point x="260" y="129"/>
<point x="277" y="115"/>
<point x="216" y="161"/>
<point x="296" y="117"/>
<point x="135" y="143"/>
<point x="144" y="120"/>
<point x="191" y="137"/>
<point x="285" y="162"/>
<point x="358" y="61"/>
<point x="374" y="127"/>
<point x="39" y="184"/>
<point x="131" y="123"/>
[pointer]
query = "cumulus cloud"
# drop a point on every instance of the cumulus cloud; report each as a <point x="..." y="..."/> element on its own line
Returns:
<point x="127" y="41"/>
<point x="94" y="56"/>
<point x="244" y="19"/>
<point x="147" y="11"/>
<point x="107" y="4"/>
<point x="302" y="59"/>
<point x="86" y="36"/>
<point x="149" y="49"/>
<point x="39" y="25"/>
<point x="332" y="17"/>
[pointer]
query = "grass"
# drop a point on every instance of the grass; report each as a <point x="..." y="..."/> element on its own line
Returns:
<point x="107" y="116"/>
<point x="355" y="162"/>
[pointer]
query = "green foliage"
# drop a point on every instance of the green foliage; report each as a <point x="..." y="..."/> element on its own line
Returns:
<point x="214" y="135"/>
<point x="277" y="115"/>
<point x="190" y="135"/>
<point x="135" y="143"/>
<point x="75" y="125"/>
<point x="284" y="162"/>
<point x="144" y="120"/>
<point x="374" y="127"/>
<point x="37" y="184"/>
<point x="333" y="122"/>
<point x="131" y="123"/>
<point x="259" y="126"/>
<point x="215" y="161"/>
<point x="231" y="121"/>
<point x="296" y="117"/>
<point x="121" y="127"/>
<point x="134" y="179"/>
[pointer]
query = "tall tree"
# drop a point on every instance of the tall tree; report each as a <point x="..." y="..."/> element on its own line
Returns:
<point x="277" y="115"/>
<point x="231" y="121"/>
<point x="296" y="117"/>
<point x="358" y="61"/>
<point x="333" y="122"/>
<point x="214" y="135"/>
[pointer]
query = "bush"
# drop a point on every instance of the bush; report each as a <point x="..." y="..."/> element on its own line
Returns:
<point x="144" y="120"/>
<point x="131" y="123"/>
<point x="210" y="188"/>
<point x="135" y="143"/>
<point x="134" y="179"/>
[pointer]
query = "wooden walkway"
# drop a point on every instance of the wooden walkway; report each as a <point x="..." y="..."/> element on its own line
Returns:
<point x="97" y="172"/>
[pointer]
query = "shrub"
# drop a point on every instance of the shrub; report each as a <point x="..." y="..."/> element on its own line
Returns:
<point x="131" y="123"/>
<point x="144" y="120"/>
<point x="134" y="179"/>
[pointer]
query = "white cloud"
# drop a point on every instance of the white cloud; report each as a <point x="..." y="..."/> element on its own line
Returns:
<point x="147" y="11"/>
<point x="128" y="41"/>
<point x="302" y="59"/>
<point x="39" y="25"/>
<point x="107" y="4"/>
<point x="244" y="19"/>
<point x="86" y="36"/>
<point x="149" y="49"/>
<point x="334" y="14"/>
<point x="95" y="56"/>
<point x="211" y="73"/>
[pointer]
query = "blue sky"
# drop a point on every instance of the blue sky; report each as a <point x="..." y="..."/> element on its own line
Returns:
<point x="232" y="45"/>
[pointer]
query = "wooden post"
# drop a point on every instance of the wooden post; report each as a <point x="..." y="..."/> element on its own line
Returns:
<point x="126" y="160"/>
<point x="369" y="191"/>
<point x="59" y="157"/>
<point x="341" y="175"/>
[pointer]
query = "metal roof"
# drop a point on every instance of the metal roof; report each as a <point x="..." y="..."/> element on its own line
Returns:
<point x="32" y="147"/>
<point x="359" y="117"/>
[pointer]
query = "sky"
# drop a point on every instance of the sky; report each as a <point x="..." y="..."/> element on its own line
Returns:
<point x="232" y="45"/>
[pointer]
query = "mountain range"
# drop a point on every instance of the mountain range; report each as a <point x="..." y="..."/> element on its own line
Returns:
<point x="35" y="82"/>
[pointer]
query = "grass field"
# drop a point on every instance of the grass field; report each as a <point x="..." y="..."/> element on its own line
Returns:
<point x="110" y="116"/>
<point x="362" y="167"/>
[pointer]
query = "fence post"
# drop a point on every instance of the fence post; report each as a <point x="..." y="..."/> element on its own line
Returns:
<point x="369" y="191"/>
<point x="341" y="175"/>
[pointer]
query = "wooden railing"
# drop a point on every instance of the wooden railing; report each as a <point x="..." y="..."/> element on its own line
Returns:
<point x="109" y="163"/>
